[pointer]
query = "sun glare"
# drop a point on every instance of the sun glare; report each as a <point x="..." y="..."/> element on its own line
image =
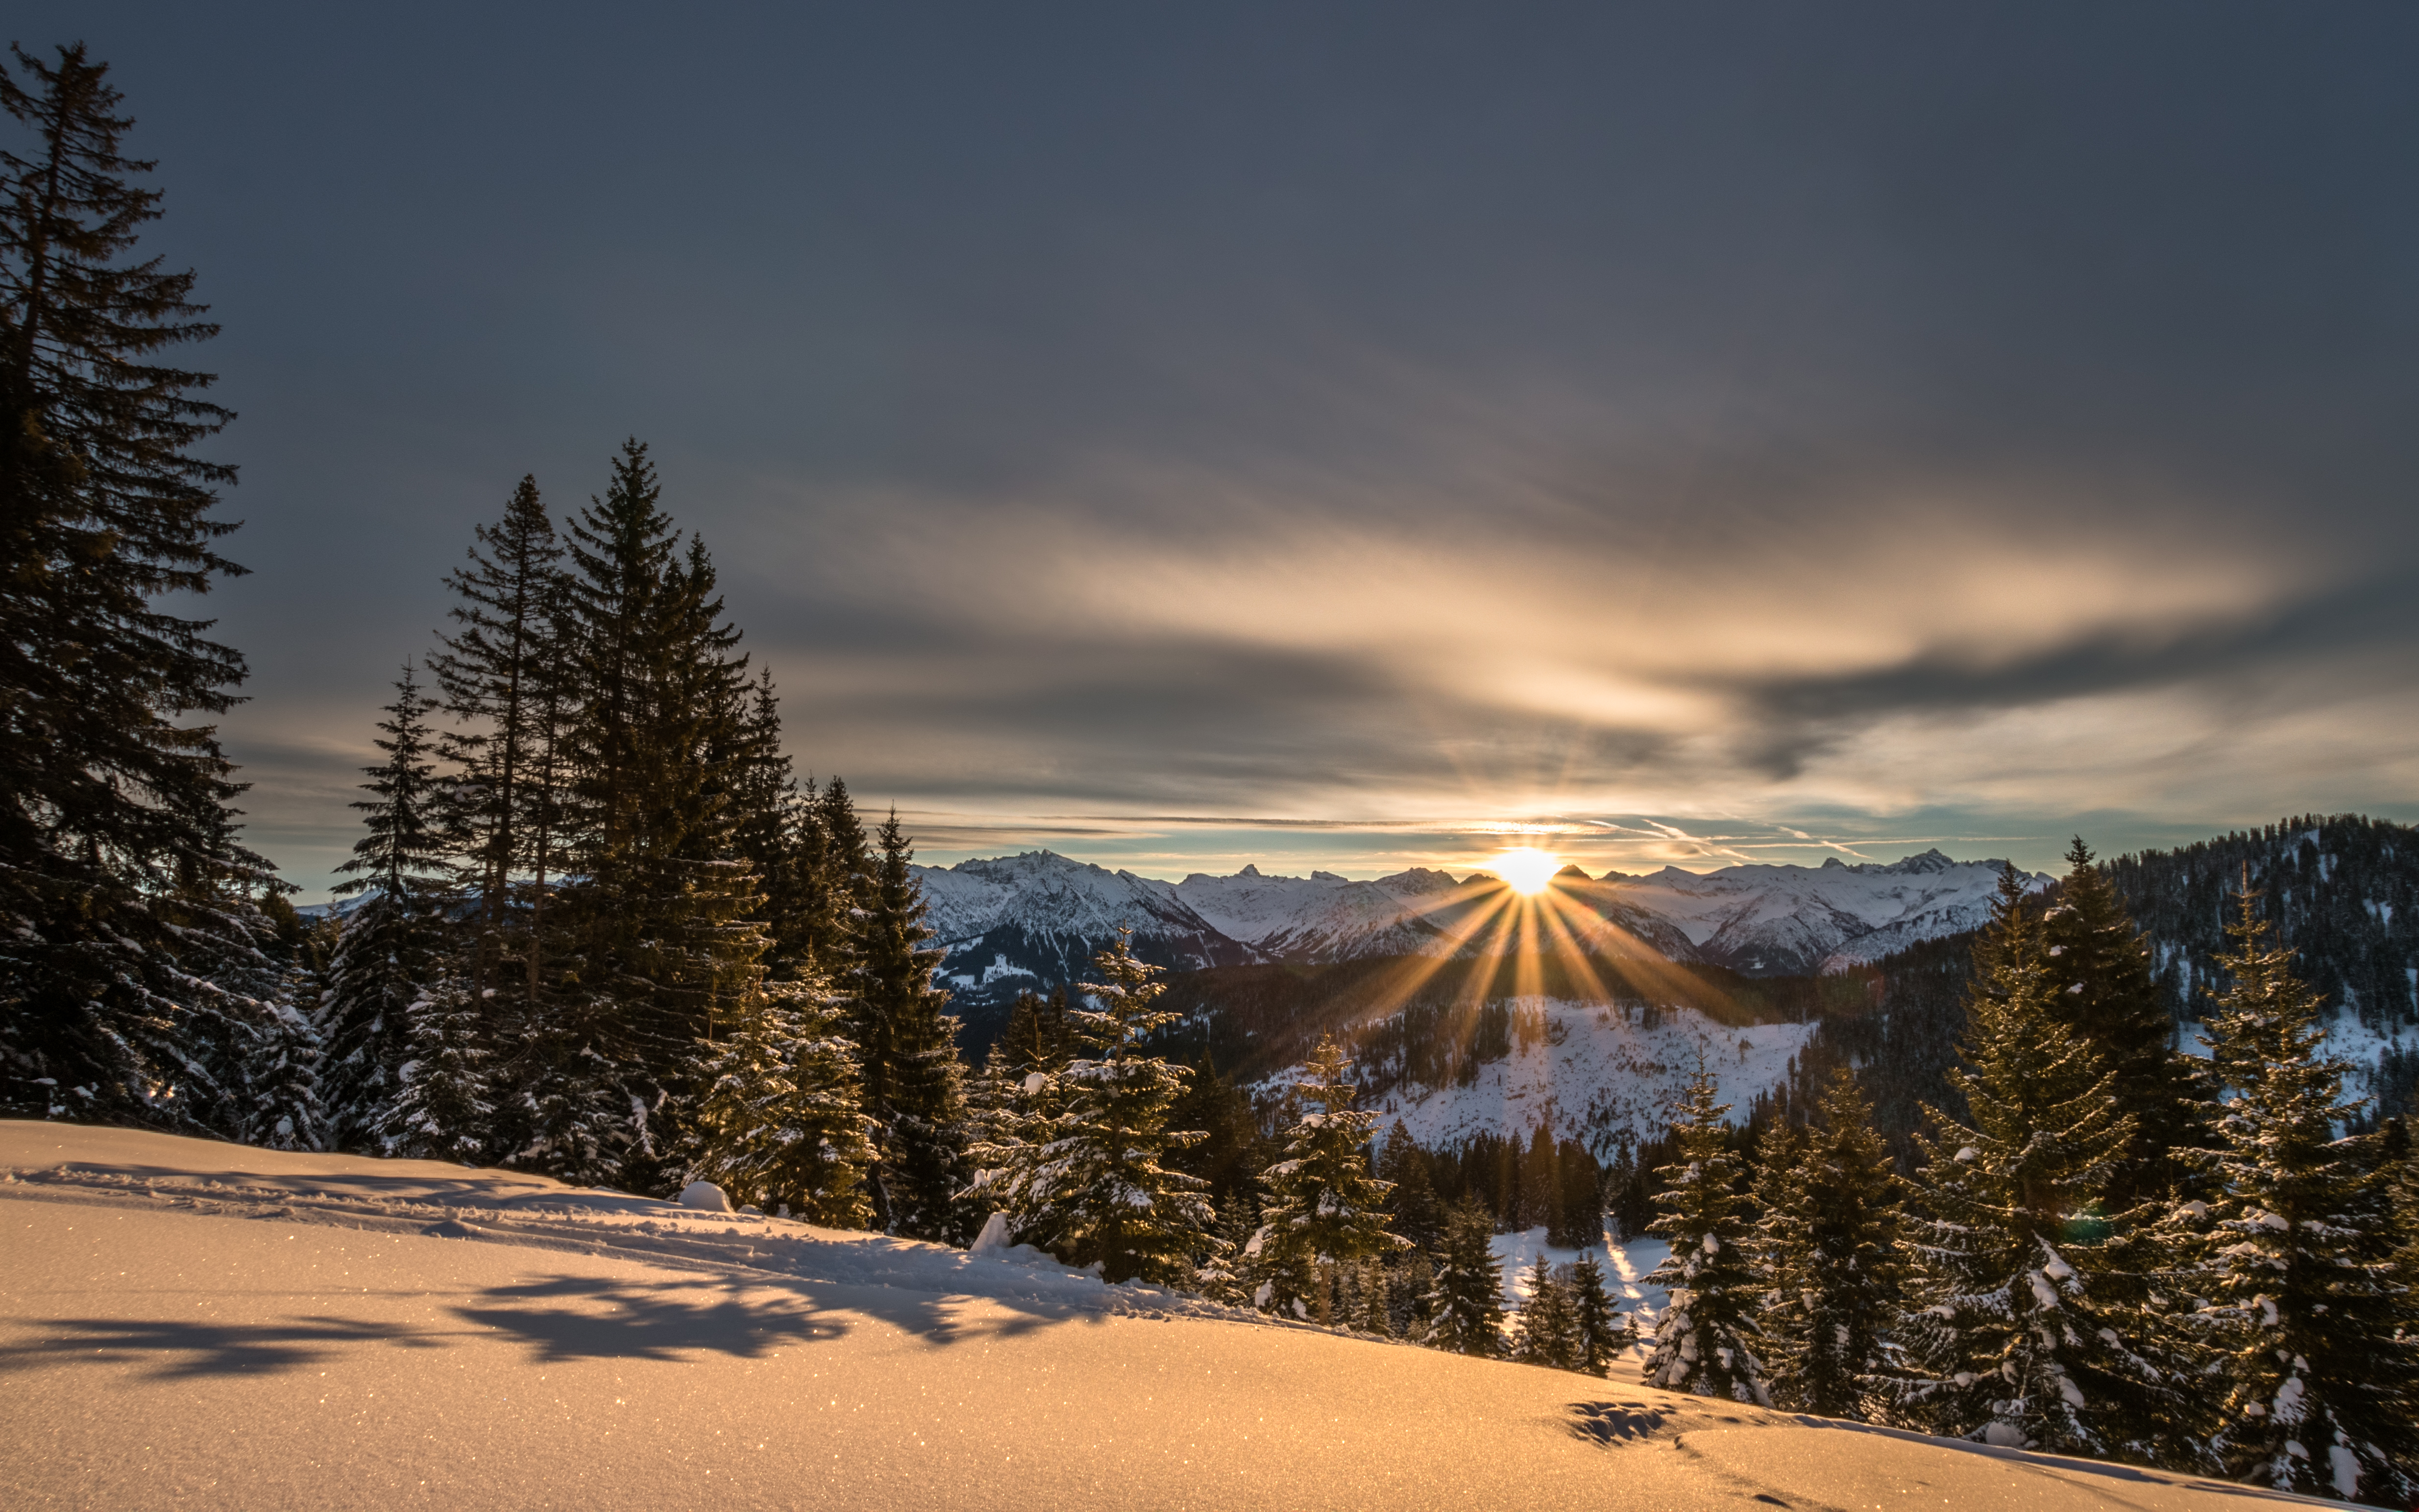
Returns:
<point x="1527" y="870"/>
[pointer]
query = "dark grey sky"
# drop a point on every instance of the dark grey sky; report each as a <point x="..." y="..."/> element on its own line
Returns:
<point x="1808" y="426"/>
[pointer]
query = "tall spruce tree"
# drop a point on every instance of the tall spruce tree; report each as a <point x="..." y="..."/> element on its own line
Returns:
<point x="494" y="671"/>
<point x="919" y="1118"/>
<point x="1324" y="1210"/>
<point x="658" y="933"/>
<point x="2320" y="1383"/>
<point x="1830" y="1238"/>
<point x="779" y="1124"/>
<point x="393" y="943"/>
<point x="1465" y="1299"/>
<point x="2027" y="1323"/>
<point x="2100" y="968"/>
<point x="1705" y="1341"/>
<point x="118" y="864"/>
<point x="1090" y="1182"/>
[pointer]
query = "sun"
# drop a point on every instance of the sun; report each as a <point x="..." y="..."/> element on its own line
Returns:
<point x="1526" y="870"/>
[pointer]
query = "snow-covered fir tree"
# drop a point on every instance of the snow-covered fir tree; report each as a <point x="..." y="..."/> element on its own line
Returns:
<point x="1324" y="1209"/>
<point x="391" y="944"/>
<point x="1546" y="1331"/>
<point x="283" y="1083"/>
<point x="2025" y="1322"/>
<point x="443" y="1107"/>
<point x="2321" y="1384"/>
<point x="920" y="1119"/>
<point x="1705" y="1342"/>
<point x="1604" y="1333"/>
<point x="1828" y="1242"/>
<point x="1465" y="1300"/>
<point x="1088" y="1182"/>
<point x="779" y="1124"/>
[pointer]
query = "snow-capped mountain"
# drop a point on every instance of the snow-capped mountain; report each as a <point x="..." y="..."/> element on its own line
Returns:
<point x="1323" y="917"/>
<point x="1036" y="921"/>
<point x="1758" y="919"/>
<point x="1765" y="920"/>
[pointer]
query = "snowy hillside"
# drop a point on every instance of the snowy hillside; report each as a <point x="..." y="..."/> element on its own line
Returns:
<point x="1596" y="1073"/>
<point x="191" y="1323"/>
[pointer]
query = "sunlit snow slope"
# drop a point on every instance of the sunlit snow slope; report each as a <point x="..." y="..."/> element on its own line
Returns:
<point x="1597" y="1072"/>
<point x="187" y="1323"/>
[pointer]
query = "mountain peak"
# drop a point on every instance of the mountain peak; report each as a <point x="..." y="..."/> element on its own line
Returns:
<point x="1249" y="871"/>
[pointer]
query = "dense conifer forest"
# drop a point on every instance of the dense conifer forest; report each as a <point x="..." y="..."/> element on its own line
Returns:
<point x="597" y="926"/>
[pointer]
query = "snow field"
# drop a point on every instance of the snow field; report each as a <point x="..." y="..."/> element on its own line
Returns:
<point x="184" y="1322"/>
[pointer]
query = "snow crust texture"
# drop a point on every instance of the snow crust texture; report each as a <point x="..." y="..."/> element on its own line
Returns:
<point x="188" y="1323"/>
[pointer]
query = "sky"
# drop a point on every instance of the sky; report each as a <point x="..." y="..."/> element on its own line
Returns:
<point x="1353" y="437"/>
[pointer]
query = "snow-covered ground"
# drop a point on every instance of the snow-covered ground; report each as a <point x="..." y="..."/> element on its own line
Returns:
<point x="1609" y="1072"/>
<point x="190" y="1323"/>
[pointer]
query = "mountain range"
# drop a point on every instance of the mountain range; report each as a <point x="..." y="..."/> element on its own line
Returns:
<point x="1035" y="919"/>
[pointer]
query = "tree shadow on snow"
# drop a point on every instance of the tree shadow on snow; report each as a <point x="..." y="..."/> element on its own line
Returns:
<point x="561" y="1319"/>
<point x="180" y="1350"/>
<point x="575" y="1316"/>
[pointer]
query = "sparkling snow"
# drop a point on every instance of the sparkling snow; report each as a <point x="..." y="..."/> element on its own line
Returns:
<point x="189" y="1322"/>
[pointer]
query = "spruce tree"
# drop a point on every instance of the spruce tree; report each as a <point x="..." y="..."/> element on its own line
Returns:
<point x="393" y="942"/>
<point x="1830" y="1237"/>
<point x="658" y="941"/>
<point x="118" y="864"/>
<point x="1704" y="1342"/>
<point x="2320" y="1387"/>
<point x="1546" y="1331"/>
<point x="1090" y="1182"/>
<point x="443" y="1107"/>
<point x="779" y="1124"/>
<point x="2099" y="972"/>
<point x="494" y="671"/>
<point x="1603" y="1332"/>
<point x="1324" y="1210"/>
<point x="2026" y="1325"/>
<point x="1465" y="1300"/>
<point x="919" y="1116"/>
